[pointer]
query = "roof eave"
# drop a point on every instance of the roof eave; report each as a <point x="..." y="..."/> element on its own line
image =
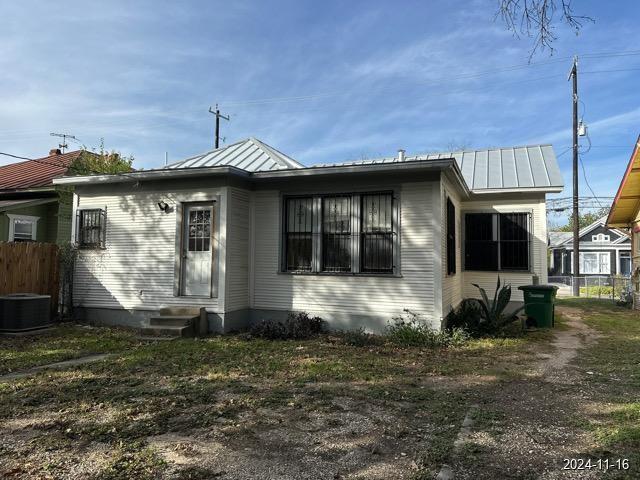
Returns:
<point x="151" y="175"/>
<point x="549" y="189"/>
<point x="418" y="165"/>
<point x="624" y="222"/>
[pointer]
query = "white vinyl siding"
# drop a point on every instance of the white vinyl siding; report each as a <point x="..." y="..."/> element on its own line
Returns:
<point x="237" y="265"/>
<point x="417" y="288"/>
<point x="136" y="270"/>
<point x="534" y="204"/>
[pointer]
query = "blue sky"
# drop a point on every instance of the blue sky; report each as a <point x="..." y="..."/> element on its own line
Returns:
<point x="321" y="81"/>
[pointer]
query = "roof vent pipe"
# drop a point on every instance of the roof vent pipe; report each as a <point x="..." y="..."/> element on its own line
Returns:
<point x="401" y="155"/>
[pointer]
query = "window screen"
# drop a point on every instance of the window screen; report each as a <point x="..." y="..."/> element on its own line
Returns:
<point x="336" y="234"/>
<point x="497" y="241"/>
<point x="481" y="245"/>
<point x="451" y="237"/>
<point x="376" y="253"/>
<point x="514" y="241"/>
<point x="23" y="230"/>
<point x="299" y="233"/>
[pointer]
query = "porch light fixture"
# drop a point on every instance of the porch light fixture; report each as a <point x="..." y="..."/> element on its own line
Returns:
<point x="164" y="206"/>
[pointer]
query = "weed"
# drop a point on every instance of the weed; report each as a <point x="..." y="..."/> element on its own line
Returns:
<point x="409" y="330"/>
<point x="360" y="338"/>
<point x="297" y="326"/>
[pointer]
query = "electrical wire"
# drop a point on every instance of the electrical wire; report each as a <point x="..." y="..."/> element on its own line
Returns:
<point x="584" y="174"/>
<point x="611" y="71"/>
<point x="54" y="164"/>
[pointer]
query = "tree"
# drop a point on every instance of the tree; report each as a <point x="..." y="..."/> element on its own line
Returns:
<point x="87" y="163"/>
<point x="584" y="220"/>
<point x="103" y="161"/>
<point x="538" y="19"/>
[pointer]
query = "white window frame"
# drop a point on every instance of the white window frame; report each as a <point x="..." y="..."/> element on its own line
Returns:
<point x="600" y="263"/>
<point x="600" y="237"/>
<point x="25" y="218"/>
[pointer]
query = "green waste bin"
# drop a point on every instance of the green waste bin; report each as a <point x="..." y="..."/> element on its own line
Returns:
<point x="539" y="303"/>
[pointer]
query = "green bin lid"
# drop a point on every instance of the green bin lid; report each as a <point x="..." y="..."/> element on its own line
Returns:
<point x="544" y="288"/>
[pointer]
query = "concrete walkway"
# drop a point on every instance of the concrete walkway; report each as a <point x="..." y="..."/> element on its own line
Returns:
<point x="56" y="366"/>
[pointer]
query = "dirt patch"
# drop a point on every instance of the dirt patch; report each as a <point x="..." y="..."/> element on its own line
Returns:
<point x="567" y="342"/>
<point x="524" y="428"/>
<point x="351" y="440"/>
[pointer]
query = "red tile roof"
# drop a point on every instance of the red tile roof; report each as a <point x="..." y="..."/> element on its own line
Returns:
<point x="35" y="173"/>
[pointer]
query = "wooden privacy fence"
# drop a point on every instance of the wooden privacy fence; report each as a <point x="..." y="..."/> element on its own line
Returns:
<point x="29" y="267"/>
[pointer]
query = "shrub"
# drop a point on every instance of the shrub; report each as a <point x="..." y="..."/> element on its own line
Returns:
<point x="360" y="338"/>
<point x="625" y="299"/>
<point x="297" y="326"/>
<point x="466" y="316"/>
<point x="493" y="318"/>
<point x="409" y="330"/>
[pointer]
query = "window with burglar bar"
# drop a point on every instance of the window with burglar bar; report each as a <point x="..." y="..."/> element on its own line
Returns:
<point x="91" y="229"/>
<point x="336" y="234"/>
<point x="344" y="233"/>
<point x="299" y="234"/>
<point x="377" y="233"/>
<point x="497" y="241"/>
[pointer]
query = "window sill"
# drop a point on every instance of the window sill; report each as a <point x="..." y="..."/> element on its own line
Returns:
<point x="528" y="272"/>
<point x="197" y="297"/>
<point x="342" y="274"/>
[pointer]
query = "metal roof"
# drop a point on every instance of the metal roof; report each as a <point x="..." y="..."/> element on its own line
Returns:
<point x="558" y="238"/>
<point x="532" y="166"/>
<point x="250" y="155"/>
<point x="36" y="173"/>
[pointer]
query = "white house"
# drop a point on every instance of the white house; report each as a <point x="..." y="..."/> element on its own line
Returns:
<point x="249" y="233"/>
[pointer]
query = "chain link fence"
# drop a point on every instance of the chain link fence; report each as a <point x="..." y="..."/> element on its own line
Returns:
<point x="612" y="287"/>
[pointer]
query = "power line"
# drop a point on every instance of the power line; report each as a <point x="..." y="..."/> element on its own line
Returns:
<point x="613" y="71"/>
<point x="53" y="164"/>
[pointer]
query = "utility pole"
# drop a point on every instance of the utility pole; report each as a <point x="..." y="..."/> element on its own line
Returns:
<point x="573" y="74"/>
<point x="64" y="136"/>
<point x="218" y="117"/>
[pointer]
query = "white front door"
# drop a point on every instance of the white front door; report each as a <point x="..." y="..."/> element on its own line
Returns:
<point x="197" y="250"/>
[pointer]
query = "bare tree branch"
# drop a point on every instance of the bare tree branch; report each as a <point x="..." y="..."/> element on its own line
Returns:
<point x="535" y="19"/>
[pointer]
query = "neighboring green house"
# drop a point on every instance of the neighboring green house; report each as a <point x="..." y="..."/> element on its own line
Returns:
<point x="31" y="209"/>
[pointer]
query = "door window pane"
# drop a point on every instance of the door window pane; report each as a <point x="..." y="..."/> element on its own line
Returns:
<point x="199" y="230"/>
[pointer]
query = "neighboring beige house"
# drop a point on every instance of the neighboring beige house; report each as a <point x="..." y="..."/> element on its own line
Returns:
<point x="248" y="233"/>
<point x="625" y="213"/>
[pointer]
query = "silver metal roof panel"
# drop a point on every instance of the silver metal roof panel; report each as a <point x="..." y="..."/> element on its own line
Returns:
<point x="250" y="155"/>
<point x="533" y="166"/>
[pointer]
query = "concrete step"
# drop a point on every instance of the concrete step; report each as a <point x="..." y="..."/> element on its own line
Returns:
<point x="173" y="320"/>
<point x="171" y="311"/>
<point x="168" y="331"/>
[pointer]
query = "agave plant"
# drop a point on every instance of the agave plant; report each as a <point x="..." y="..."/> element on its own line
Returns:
<point x="493" y="311"/>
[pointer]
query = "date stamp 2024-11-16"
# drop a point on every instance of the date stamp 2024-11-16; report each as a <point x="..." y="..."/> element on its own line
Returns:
<point x="603" y="464"/>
